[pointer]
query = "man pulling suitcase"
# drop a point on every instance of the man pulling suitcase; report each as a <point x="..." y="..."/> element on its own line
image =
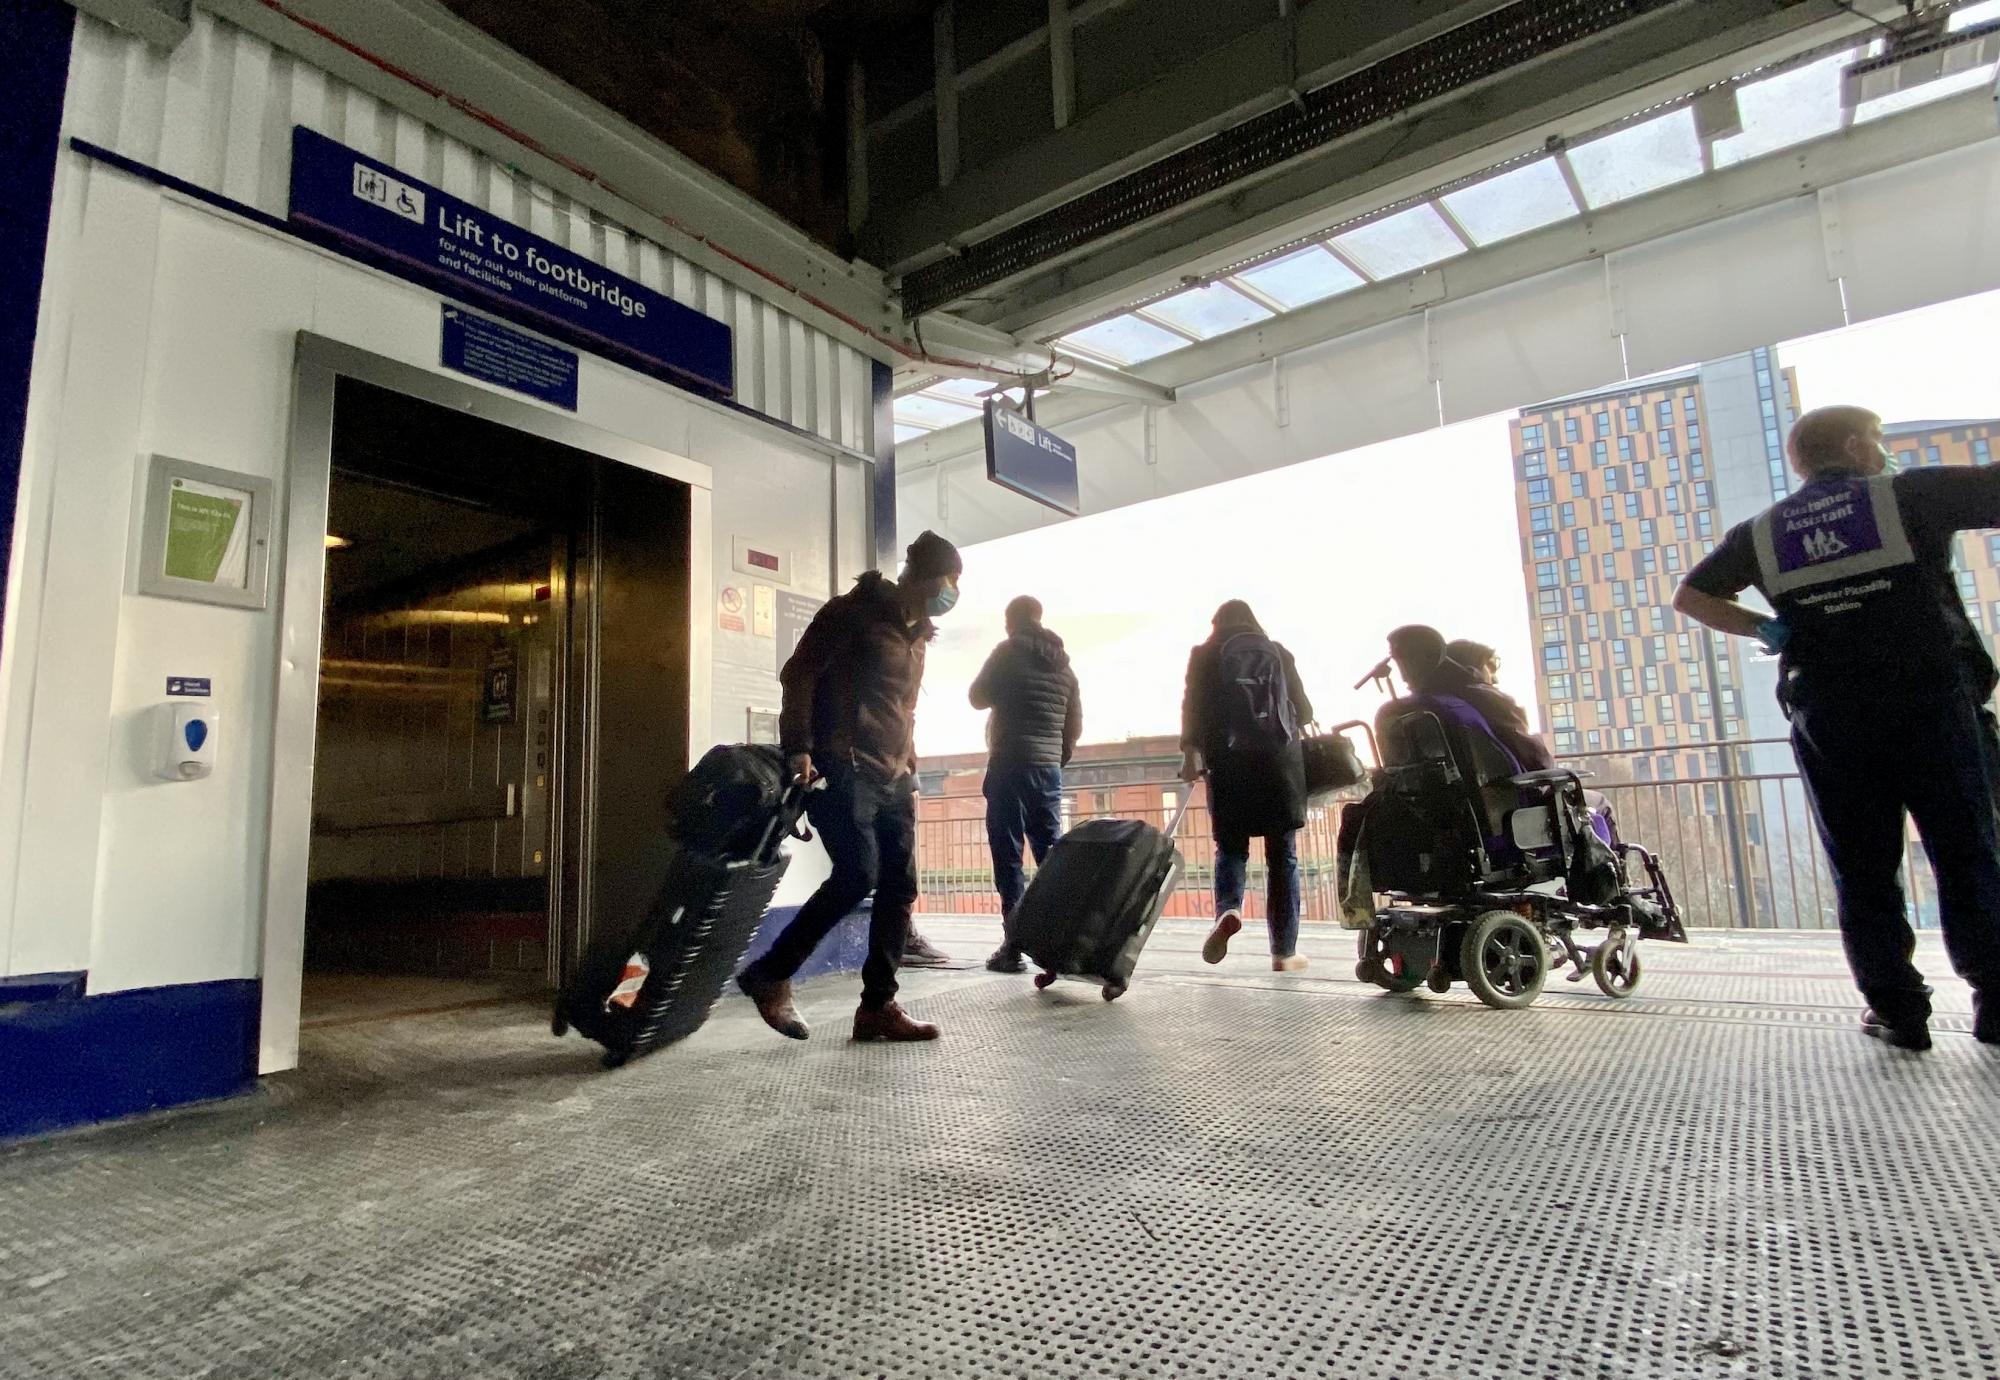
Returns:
<point x="849" y="715"/>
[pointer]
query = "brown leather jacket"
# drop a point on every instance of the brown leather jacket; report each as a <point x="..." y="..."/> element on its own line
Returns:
<point x="851" y="686"/>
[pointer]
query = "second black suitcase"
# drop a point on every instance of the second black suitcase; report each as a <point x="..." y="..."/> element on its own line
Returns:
<point x="1095" y="900"/>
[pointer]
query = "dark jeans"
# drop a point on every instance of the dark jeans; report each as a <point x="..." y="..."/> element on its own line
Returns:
<point x="1022" y="803"/>
<point x="1281" y="857"/>
<point x="869" y="828"/>
<point x="1865" y="765"/>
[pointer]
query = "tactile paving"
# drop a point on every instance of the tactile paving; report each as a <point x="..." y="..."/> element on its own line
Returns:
<point x="1204" y="1179"/>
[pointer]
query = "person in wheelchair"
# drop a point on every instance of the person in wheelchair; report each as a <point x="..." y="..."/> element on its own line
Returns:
<point x="1422" y="656"/>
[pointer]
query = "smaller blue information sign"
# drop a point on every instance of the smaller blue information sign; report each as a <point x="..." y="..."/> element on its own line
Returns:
<point x="487" y="350"/>
<point x="1032" y="462"/>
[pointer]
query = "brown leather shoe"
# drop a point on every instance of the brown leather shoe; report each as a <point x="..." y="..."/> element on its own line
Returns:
<point x="890" y="1022"/>
<point x="774" y="1004"/>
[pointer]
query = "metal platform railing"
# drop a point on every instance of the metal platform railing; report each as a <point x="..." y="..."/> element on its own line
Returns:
<point x="1739" y="847"/>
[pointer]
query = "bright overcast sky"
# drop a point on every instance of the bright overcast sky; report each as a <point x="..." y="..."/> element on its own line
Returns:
<point x="1335" y="552"/>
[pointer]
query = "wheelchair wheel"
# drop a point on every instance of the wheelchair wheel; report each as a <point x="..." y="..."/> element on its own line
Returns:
<point x="1505" y="960"/>
<point x="1616" y="971"/>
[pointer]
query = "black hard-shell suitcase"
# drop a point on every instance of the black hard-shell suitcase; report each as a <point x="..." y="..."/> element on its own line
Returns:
<point x="1095" y="900"/>
<point x="649" y="984"/>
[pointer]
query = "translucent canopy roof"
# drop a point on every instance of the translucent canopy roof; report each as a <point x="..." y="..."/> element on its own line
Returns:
<point x="1763" y="113"/>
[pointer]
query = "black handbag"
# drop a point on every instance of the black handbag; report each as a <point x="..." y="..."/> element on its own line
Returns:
<point x="1332" y="764"/>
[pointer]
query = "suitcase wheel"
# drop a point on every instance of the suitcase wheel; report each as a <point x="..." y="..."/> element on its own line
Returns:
<point x="614" y="1060"/>
<point x="558" y="1027"/>
<point x="1044" y="979"/>
<point x="1112" y="991"/>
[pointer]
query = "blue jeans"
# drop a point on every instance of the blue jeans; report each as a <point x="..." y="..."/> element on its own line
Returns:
<point x="1281" y="856"/>
<point x="1022" y="803"/>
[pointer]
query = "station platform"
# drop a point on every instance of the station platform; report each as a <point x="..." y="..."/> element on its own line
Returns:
<point x="1227" y="1173"/>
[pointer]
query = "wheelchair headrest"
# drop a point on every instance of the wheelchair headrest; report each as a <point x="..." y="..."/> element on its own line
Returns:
<point x="1467" y="734"/>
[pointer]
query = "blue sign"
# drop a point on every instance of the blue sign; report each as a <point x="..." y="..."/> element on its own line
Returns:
<point x="188" y="685"/>
<point x="1032" y="462"/>
<point x="460" y="249"/>
<point x="487" y="350"/>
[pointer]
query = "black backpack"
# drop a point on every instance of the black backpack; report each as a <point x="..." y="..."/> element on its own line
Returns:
<point x="726" y="804"/>
<point x="1256" y="703"/>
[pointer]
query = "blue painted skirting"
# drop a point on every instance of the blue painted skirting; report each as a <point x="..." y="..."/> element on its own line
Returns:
<point x="70" y="1061"/>
<point x="842" y="951"/>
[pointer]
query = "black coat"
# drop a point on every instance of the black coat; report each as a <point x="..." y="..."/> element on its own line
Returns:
<point x="1250" y="794"/>
<point x="1037" y="708"/>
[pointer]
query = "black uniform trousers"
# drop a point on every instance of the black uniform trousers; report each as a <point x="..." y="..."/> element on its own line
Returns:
<point x="1869" y="761"/>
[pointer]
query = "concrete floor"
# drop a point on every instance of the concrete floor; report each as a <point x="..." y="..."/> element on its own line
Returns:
<point x="1229" y="1173"/>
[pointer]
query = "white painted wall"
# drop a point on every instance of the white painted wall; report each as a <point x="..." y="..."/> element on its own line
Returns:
<point x="173" y="332"/>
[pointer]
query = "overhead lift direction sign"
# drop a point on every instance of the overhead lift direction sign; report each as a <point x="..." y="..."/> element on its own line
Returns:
<point x="1034" y="463"/>
<point x="469" y="252"/>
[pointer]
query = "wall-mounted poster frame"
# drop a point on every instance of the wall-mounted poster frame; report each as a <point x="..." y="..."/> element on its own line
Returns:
<point x="206" y="534"/>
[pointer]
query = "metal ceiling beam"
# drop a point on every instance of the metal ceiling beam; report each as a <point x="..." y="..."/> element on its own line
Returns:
<point x="1009" y="357"/>
<point x="1241" y="79"/>
<point x="1858" y="151"/>
<point x="1662" y="54"/>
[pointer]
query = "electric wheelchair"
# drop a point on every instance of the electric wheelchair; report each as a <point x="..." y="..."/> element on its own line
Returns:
<point x="1459" y="867"/>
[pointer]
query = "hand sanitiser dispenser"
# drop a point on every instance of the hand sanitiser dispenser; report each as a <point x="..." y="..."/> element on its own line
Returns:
<point x="187" y="740"/>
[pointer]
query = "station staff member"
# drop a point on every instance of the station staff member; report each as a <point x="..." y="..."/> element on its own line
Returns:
<point x="1886" y="684"/>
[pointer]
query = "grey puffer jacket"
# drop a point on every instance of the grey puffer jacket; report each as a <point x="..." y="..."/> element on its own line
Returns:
<point x="1037" y="709"/>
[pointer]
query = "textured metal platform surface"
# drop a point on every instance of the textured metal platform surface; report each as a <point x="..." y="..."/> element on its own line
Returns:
<point x="1226" y="1174"/>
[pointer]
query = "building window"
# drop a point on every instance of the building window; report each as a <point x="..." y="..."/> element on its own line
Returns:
<point x="1674" y="469"/>
<point x="1634" y="419"/>
<point x="1696" y="465"/>
<point x="1649" y="561"/>
<point x="1621" y="652"/>
<point x="1579" y="598"/>
<point x="1680" y="524"/>
<point x="1614" y="478"/>
<point x="1559" y="687"/>
<point x="1665" y="705"/>
<point x="1579" y="485"/>
<point x="1628" y="738"/>
<point x="1673" y="560"/>
<point x="1628" y="622"/>
<point x="1588" y="684"/>
<point x="1549" y="601"/>
<point x="1531" y="437"/>
<point x="1625" y="451"/>
<point x="1664" y="410"/>
<point x="1544" y="543"/>
<point x="1621" y="595"/>
<point x="1906" y="459"/>
<point x="1565" y="460"/>
<point x="1562" y="716"/>
<point x="1541" y="519"/>
<point x="1545" y="575"/>
<point x="1581" y="540"/>
<point x="1583" y="655"/>
<point x="1968" y="585"/>
<point x="1932" y="457"/>
<point x="1649" y="676"/>
<point x="1593" y="627"/>
<point x="1977" y="613"/>
<point x="1982" y="450"/>
<point x="1573" y="571"/>
<point x="1539" y="491"/>
<point x="1617" y="544"/>
<point x="1658" y="646"/>
<point x="1648" y="533"/>
<point x="1608" y="565"/>
<point x="1632" y="504"/>
<point x="1555" y="657"/>
<point x="1673" y="499"/>
<point x="1568" y="514"/>
<point x="1694" y="433"/>
<point x="1534" y="464"/>
<point x="1552" y="630"/>
<point x="1608" y="507"/>
<point x="1571" y="432"/>
<point x="1642" y="474"/>
<point x="1600" y="453"/>
<point x="1689" y="406"/>
<point x="1601" y="424"/>
<point x="1701" y="496"/>
<point x="1667" y="446"/>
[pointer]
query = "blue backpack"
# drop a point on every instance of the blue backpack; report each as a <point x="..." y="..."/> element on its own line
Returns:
<point x="1256" y="702"/>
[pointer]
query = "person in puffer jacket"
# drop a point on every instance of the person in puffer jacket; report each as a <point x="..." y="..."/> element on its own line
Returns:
<point x="1037" y="718"/>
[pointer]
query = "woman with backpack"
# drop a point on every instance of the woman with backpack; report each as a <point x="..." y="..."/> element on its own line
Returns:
<point x="1240" y="722"/>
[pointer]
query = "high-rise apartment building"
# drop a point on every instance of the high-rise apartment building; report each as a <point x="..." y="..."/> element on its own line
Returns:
<point x="1619" y="493"/>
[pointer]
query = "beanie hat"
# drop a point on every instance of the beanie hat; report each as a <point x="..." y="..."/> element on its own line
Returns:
<point x="930" y="555"/>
